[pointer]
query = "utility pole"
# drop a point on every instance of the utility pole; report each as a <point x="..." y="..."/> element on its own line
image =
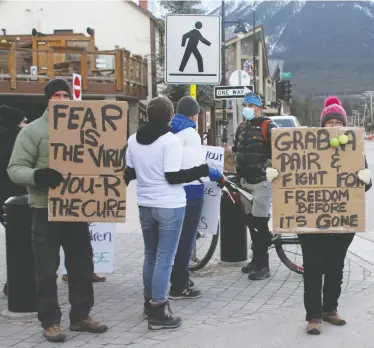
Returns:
<point x="254" y="48"/>
<point x="240" y="29"/>
<point x="371" y="107"/>
<point x="223" y="67"/>
<point x="357" y="117"/>
<point x="354" y="117"/>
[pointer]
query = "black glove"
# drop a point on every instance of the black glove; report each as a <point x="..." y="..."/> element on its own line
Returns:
<point x="47" y="177"/>
<point x="129" y="175"/>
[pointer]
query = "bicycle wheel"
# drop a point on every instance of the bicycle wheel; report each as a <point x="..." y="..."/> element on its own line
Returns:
<point x="196" y="262"/>
<point x="279" y="241"/>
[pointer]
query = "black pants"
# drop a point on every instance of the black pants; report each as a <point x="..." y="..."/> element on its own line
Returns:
<point x="261" y="238"/>
<point x="47" y="238"/>
<point x="180" y="273"/>
<point x="323" y="254"/>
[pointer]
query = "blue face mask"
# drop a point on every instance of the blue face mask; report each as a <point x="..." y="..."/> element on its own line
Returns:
<point x="249" y="113"/>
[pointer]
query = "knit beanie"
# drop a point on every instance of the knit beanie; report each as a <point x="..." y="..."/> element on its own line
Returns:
<point x="188" y="106"/>
<point x="55" y="85"/>
<point x="333" y="110"/>
<point x="160" y="110"/>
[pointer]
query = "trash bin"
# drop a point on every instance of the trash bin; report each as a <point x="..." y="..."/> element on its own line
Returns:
<point x="234" y="246"/>
<point x="19" y="256"/>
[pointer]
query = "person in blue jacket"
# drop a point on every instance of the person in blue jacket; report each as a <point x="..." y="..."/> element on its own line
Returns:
<point x="183" y="125"/>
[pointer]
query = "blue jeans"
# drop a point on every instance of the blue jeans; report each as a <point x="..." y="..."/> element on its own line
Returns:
<point x="161" y="231"/>
<point x="180" y="273"/>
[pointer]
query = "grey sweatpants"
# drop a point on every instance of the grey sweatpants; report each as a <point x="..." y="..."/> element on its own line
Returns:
<point x="258" y="219"/>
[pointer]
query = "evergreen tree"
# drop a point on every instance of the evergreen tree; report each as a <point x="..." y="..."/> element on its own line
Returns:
<point x="182" y="7"/>
<point x="175" y="92"/>
<point x="348" y="106"/>
<point x="305" y="111"/>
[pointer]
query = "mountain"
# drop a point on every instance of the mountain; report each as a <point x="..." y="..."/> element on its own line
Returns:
<point x="327" y="45"/>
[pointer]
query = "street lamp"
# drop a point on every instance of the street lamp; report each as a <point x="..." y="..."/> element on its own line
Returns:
<point x="240" y="30"/>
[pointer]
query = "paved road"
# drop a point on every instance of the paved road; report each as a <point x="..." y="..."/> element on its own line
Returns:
<point x="233" y="312"/>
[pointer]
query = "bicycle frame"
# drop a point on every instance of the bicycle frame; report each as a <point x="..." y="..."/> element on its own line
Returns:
<point x="244" y="201"/>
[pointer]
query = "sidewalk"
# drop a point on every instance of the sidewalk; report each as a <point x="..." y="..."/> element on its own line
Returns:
<point x="285" y="328"/>
<point x="233" y="312"/>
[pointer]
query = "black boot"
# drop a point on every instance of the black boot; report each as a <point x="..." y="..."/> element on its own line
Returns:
<point x="5" y="290"/>
<point x="262" y="243"/>
<point x="251" y="265"/>
<point x="262" y="270"/>
<point x="158" y="318"/>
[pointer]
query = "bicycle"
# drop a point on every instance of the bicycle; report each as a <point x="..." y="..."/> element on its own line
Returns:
<point x="238" y="197"/>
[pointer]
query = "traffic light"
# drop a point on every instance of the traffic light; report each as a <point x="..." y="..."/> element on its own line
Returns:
<point x="287" y="90"/>
<point x="284" y="90"/>
<point x="280" y="90"/>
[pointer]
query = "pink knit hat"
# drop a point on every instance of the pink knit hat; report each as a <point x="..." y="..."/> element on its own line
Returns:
<point x="333" y="110"/>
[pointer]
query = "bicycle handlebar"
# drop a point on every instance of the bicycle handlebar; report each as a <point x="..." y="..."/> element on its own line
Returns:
<point x="232" y="187"/>
<point x="225" y="173"/>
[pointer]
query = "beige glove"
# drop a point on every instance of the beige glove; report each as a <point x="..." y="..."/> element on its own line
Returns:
<point x="364" y="176"/>
<point x="271" y="174"/>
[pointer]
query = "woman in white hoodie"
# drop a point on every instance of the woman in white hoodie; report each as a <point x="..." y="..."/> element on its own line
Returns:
<point x="154" y="157"/>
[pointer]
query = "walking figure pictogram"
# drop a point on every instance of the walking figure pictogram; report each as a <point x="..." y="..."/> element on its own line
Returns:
<point x="194" y="37"/>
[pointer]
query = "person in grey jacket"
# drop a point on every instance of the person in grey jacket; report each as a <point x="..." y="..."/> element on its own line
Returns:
<point x="28" y="166"/>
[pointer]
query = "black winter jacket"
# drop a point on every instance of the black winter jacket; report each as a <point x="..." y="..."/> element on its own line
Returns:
<point x="252" y="150"/>
<point x="7" y="187"/>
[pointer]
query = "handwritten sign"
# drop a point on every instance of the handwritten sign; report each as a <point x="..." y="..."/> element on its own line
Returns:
<point x="318" y="190"/>
<point x="102" y="241"/>
<point x="87" y="145"/>
<point x="214" y="157"/>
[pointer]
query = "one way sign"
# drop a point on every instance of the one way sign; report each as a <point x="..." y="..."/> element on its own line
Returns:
<point x="231" y="92"/>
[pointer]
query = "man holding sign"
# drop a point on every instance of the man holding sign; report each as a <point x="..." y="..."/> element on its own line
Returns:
<point x="29" y="167"/>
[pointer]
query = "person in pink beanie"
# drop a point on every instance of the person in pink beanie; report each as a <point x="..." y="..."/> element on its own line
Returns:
<point x="333" y="113"/>
<point x="324" y="254"/>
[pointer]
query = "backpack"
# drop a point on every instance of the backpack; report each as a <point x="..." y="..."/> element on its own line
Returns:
<point x="264" y="128"/>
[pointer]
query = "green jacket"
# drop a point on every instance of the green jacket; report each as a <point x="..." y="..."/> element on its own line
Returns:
<point x="30" y="152"/>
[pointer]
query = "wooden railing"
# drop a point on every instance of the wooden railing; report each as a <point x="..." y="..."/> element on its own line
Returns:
<point x="128" y="72"/>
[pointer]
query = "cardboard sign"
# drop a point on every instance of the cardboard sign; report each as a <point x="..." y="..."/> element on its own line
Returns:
<point x="102" y="241"/>
<point x="87" y="145"/>
<point x="318" y="190"/>
<point x="209" y="219"/>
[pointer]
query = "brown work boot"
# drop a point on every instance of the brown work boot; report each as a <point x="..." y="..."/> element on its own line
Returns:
<point x="88" y="325"/>
<point x="97" y="279"/>
<point x="54" y="334"/>
<point x="333" y="318"/>
<point x="314" y="327"/>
